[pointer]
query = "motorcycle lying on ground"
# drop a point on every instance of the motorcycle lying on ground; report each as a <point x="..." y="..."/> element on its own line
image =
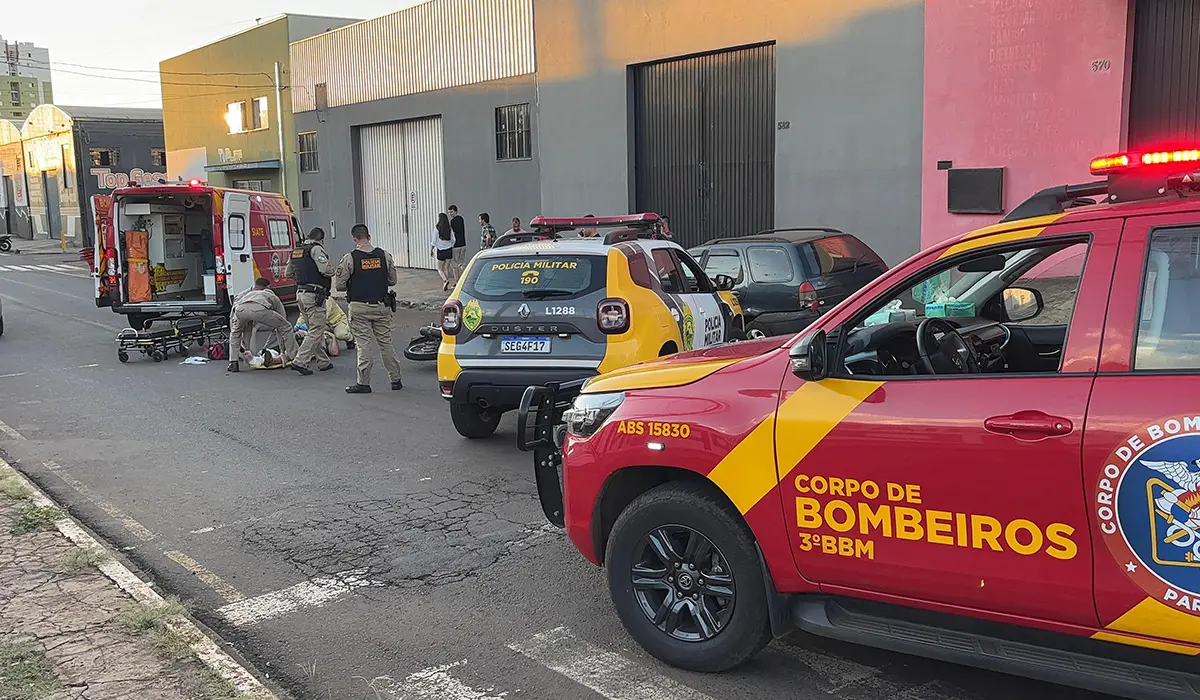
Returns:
<point x="424" y="346"/>
<point x="5" y="242"/>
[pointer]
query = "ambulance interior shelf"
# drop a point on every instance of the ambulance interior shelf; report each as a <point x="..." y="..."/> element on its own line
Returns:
<point x="176" y="260"/>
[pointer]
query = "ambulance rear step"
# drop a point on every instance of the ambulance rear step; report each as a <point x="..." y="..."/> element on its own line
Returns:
<point x="1105" y="667"/>
<point x="543" y="435"/>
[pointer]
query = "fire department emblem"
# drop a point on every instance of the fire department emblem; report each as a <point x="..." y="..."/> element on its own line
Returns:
<point x="276" y="266"/>
<point x="1147" y="503"/>
<point x="472" y="315"/>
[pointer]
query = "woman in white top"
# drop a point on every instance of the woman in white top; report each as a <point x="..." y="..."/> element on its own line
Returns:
<point x="444" y="251"/>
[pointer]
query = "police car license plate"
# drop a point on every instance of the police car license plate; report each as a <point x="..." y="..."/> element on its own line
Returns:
<point x="534" y="345"/>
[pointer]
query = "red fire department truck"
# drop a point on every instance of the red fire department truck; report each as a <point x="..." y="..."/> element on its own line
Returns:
<point x="989" y="455"/>
<point x="171" y="250"/>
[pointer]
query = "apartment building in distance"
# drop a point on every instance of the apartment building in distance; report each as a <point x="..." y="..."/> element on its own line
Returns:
<point x="25" y="81"/>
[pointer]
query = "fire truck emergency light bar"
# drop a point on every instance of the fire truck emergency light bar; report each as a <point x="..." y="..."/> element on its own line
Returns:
<point x="1125" y="162"/>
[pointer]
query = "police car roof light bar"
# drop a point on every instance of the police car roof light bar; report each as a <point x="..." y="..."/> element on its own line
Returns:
<point x="573" y="222"/>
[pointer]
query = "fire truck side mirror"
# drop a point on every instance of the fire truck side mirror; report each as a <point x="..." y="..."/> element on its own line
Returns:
<point x="808" y="357"/>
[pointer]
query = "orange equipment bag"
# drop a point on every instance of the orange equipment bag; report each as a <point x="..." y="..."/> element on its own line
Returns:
<point x="137" y="244"/>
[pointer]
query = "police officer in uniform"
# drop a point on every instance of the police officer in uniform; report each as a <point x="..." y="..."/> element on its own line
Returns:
<point x="365" y="274"/>
<point x="312" y="269"/>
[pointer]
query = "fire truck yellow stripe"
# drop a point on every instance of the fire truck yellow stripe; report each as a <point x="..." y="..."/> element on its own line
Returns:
<point x="1151" y="617"/>
<point x="1000" y="233"/>
<point x="748" y="472"/>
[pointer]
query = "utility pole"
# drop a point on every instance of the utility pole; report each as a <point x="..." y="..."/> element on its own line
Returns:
<point x="279" y="128"/>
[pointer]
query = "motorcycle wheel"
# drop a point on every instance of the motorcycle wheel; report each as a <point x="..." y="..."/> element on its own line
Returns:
<point x="5" y="245"/>
<point x="422" y="349"/>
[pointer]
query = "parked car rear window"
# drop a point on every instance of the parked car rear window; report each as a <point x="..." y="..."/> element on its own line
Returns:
<point x="770" y="264"/>
<point x="532" y="276"/>
<point x="842" y="253"/>
<point x="724" y="263"/>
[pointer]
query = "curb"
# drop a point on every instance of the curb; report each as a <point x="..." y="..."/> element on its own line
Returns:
<point x="206" y="650"/>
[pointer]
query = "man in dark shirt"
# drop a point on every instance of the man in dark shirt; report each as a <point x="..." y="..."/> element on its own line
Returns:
<point x="365" y="274"/>
<point x="459" y="228"/>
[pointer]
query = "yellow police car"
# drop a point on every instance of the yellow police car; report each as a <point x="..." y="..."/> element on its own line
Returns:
<point x="565" y="302"/>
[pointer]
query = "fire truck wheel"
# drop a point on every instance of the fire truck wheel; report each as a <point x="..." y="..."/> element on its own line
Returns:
<point x="473" y="422"/>
<point x="685" y="579"/>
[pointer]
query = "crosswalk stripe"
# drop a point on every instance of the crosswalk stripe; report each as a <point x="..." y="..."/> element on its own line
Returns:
<point x="433" y="683"/>
<point x="609" y="674"/>
<point x="51" y="268"/>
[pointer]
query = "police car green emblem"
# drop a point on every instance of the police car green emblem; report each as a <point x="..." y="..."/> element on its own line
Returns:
<point x="689" y="328"/>
<point x="472" y="315"/>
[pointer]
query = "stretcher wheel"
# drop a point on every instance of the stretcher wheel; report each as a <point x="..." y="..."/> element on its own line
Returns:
<point x="122" y="356"/>
<point x="158" y="355"/>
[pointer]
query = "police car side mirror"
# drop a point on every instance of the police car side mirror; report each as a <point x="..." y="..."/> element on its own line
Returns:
<point x="808" y="357"/>
<point x="724" y="283"/>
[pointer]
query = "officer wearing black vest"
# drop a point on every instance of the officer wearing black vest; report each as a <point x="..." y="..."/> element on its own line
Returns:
<point x="365" y="274"/>
<point x="312" y="269"/>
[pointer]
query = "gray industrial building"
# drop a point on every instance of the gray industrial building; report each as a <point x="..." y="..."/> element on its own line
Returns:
<point x="728" y="122"/>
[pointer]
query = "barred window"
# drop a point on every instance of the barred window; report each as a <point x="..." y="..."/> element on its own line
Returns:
<point x="513" y="139"/>
<point x="308" y="152"/>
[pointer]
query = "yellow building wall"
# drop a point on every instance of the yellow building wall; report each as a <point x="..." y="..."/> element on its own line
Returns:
<point x="238" y="68"/>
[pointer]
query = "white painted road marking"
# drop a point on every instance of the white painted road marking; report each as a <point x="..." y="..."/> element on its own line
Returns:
<point x="309" y="594"/>
<point x="610" y="674"/>
<point x="134" y="527"/>
<point x="434" y="683"/>
<point x="8" y="430"/>
<point x="218" y="584"/>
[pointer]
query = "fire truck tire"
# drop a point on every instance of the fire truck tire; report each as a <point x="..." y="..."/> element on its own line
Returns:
<point x="473" y="422"/>
<point x="676" y="513"/>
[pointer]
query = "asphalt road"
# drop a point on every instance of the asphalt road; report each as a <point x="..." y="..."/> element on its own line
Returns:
<point x="354" y="546"/>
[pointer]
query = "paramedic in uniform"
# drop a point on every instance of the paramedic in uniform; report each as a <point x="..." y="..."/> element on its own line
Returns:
<point x="312" y="269"/>
<point x="365" y="274"/>
<point x="258" y="308"/>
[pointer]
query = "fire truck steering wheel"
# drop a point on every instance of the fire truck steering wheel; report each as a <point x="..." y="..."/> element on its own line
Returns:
<point x="950" y="354"/>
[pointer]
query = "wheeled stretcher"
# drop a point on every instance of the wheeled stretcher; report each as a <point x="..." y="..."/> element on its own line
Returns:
<point x="208" y="332"/>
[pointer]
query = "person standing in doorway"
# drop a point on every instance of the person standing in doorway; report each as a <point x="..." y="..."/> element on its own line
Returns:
<point x="487" y="232"/>
<point x="459" y="227"/>
<point x="444" y="251"/>
<point x="365" y="274"/>
<point x="313" y="271"/>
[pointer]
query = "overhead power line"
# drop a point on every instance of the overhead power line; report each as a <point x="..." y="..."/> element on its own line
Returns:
<point x="51" y="64"/>
<point x="163" y="82"/>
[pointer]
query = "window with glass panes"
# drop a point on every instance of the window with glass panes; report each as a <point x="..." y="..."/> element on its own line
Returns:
<point x="513" y="138"/>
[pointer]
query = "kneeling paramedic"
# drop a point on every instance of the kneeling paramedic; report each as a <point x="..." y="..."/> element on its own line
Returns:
<point x="312" y="269"/>
<point x="365" y="274"/>
<point x="258" y="308"/>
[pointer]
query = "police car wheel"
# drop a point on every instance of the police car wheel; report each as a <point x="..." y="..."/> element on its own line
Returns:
<point x="472" y="421"/>
<point x="685" y="579"/>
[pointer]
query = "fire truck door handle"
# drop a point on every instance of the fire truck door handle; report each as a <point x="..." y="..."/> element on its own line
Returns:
<point x="1029" y="425"/>
<point x="243" y="257"/>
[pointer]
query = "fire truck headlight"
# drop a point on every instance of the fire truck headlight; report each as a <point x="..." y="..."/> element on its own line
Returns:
<point x="590" y="412"/>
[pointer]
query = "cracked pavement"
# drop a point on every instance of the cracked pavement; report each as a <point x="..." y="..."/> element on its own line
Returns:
<point x="273" y="482"/>
<point x="70" y="616"/>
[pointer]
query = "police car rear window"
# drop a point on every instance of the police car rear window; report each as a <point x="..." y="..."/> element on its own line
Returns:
<point x="537" y="277"/>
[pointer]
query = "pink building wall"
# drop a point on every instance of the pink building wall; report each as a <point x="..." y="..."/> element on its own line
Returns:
<point x="1035" y="86"/>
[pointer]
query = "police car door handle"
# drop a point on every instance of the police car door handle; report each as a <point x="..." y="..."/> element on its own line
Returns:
<point x="1029" y="425"/>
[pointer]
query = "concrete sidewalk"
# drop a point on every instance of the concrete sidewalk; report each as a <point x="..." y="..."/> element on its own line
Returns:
<point x="76" y="624"/>
<point x="419" y="289"/>
<point x="41" y="246"/>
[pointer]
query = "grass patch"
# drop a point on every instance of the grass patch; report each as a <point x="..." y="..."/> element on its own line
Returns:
<point x="11" y="487"/>
<point x="36" y="518"/>
<point x="25" y="674"/>
<point x="151" y="622"/>
<point x="217" y="688"/>
<point x="82" y="559"/>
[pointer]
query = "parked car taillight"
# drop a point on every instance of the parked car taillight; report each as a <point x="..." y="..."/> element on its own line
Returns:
<point x="612" y="316"/>
<point x="808" y="296"/>
<point x="452" y="317"/>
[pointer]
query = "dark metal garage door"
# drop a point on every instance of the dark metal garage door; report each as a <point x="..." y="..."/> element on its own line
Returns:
<point x="1164" y="101"/>
<point x="704" y="139"/>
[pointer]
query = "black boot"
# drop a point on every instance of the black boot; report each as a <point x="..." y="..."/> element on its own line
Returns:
<point x="302" y="370"/>
<point x="233" y="367"/>
<point x="358" y="389"/>
<point x="397" y="385"/>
